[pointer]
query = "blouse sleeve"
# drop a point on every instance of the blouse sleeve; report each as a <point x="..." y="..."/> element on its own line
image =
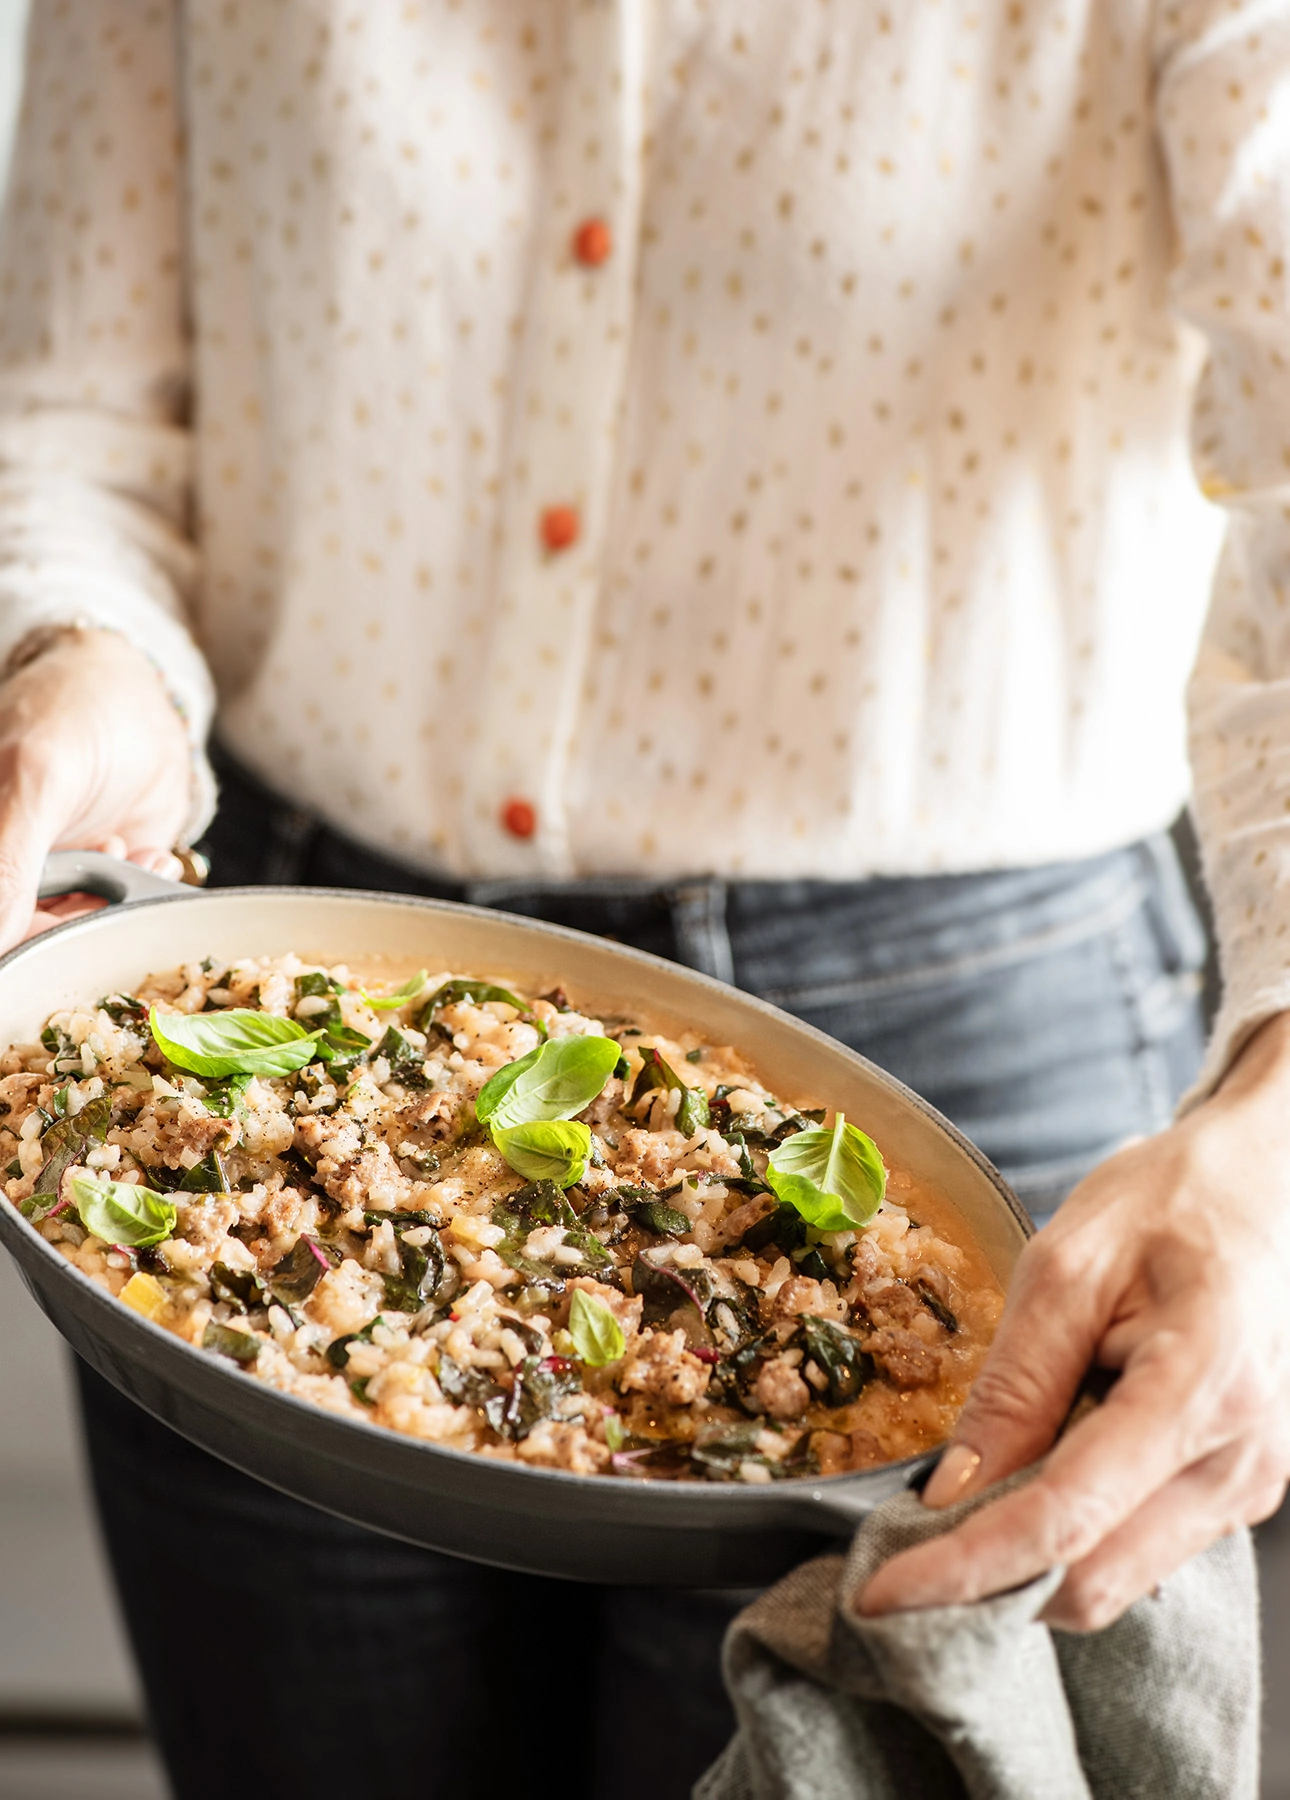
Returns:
<point x="95" y="452"/>
<point x="1223" y="107"/>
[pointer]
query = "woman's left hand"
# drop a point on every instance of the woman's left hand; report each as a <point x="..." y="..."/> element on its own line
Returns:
<point x="1171" y="1264"/>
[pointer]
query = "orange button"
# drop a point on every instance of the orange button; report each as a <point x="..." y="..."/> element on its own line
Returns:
<point x="560" y="527"/>
<point x="519" y="818"/>
<point x="593" y="243"/>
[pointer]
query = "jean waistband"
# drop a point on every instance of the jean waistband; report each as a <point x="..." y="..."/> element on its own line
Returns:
<point x="983" y="914"/>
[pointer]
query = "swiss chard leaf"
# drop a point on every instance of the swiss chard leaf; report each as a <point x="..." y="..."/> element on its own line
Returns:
<point x="692" y="1112"/>
<point x="735" y="1321"/>
<point x="209" y="1176"/>
<point x="342" y="1045"/>
<point x="64" y="1144"/>
<point x="123" y="1009"/>
<point x="339" y="1045"/>
<point x="420" y="1277"/>
<point x="292" y="1280"/>
<point x="468" y="1387"/>
<point x="479" y="993"/>
<point x="663" y="1220"/>
<point x="782" y="1226"/>
<point x="240" y="1041"/>
<point x="226" y="1097"/>
<point x="665" y="1288"/>
<point x="407" y="1063"/>
<point x="650" y="1210"/>
<point x="597" y="1335"/>
<point x="936" y="1306"/>
<point x="239" y="1288"/>
<point x="120" y="1212"/>
<point x="840" y="1356"/>
<point x="542" y="1203"/>
<point x="59" y="1045"/>
<point x="238" y="1346"/>
<point x="555" y="1081"/>
<point x="537" y="1387"/>
<point x="549" y="1150"/>
<point x="748" y="1180"/>
<point x="834" y="1179"/>
<point x="317" y="984"/>
<point x="808" y="1261"/>
<point x="338" y="1350"/>
<point x="719" y="1450"/>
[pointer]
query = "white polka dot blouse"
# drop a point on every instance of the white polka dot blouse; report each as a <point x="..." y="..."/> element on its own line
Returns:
<point x="660" y="437"/>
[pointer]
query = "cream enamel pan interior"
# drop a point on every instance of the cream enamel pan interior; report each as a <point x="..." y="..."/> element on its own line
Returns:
<point x="585" y="1527"/>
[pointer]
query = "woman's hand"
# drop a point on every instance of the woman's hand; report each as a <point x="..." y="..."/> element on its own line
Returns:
<point x="1170" y="1263"/>
<point x="93" y="756"/>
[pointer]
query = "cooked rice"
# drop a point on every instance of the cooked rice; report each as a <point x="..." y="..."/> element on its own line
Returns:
<point x="297" y="1265"/>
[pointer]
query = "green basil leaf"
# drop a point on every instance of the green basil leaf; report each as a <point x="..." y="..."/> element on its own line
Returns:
<point x="119" y="1212"/>
<point x="834" y="1179"/>
<point x="479" y="993"/>
<point x="692" y="1112"/>
<point x="597" y="1335"/>
<point x="615" y="1433"/>
<point x="555" y="1081"/>
<point x="400" y="997"/>
<point x="240" y="1041"/>
<point x="547" y="1150"/>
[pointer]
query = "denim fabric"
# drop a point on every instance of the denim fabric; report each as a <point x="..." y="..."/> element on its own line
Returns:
<point x="1050" y="1012"/>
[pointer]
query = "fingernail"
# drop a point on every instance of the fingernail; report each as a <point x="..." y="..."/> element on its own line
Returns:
<point x="953" y="1477"/>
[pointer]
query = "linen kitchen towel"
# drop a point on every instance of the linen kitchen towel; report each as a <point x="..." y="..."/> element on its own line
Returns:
<point x="984" y="1701"/>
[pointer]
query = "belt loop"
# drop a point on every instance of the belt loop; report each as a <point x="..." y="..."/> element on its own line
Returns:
<point x="702" y="932"/>
<point x="291" y="832"/>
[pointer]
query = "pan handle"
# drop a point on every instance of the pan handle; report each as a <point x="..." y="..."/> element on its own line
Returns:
<point x="90" y="872"/>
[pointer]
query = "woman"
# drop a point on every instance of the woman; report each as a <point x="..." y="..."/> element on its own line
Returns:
<point x="713" y="475"/>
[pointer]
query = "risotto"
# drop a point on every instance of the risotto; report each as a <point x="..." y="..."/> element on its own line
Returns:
<point x="491" y="1221"/>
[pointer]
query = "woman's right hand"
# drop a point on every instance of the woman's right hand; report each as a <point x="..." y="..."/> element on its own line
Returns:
<point x="93" y="756"/>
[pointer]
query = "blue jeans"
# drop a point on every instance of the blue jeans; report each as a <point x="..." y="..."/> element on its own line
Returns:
<point x="1051" y="1013"/>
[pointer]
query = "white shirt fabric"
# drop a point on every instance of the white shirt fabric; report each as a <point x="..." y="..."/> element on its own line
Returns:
<point x="874" y="421"/>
